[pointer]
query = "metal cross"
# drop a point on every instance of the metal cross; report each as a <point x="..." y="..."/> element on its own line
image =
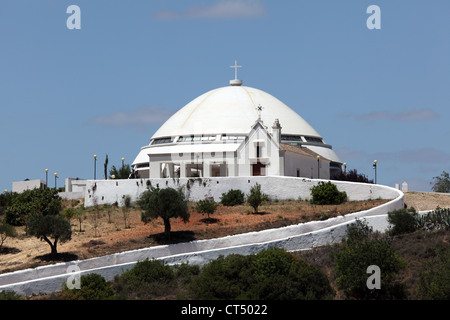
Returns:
<point x="235" y="69"/>
<point x="259" y="108"/>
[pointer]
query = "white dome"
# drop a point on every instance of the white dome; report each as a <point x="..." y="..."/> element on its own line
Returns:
<point x="233" y="110"/>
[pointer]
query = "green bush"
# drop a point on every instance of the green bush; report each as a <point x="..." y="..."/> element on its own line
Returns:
<point x="402" y="221"/>
<point x="358" y="231"/>
<point x="92" y="287"/>
<point x="272" y="274"/>
<point x="256" y="197"/>
<point x="146" y="280"/>
<point x="351" y="274"/>
<point x="206" y="206"/>
<point x="434" y="281"/>
<point x="327" y="193"/>
<point x="233" y="197"/>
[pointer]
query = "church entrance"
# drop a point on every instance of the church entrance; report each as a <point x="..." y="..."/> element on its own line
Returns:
<point x="259" y="169"/>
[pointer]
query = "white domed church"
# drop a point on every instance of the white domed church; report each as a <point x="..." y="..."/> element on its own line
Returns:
<point x="236" y="131"/>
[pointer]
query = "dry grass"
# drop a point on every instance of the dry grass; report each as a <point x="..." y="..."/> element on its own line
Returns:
<point x="105" y="232"/>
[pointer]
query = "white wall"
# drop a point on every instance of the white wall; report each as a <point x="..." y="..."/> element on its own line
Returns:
<point x="276" y="187"/>
<point x="21" y="186"/>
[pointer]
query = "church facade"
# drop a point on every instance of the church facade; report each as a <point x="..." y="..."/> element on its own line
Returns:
<point x="236" y="131"/>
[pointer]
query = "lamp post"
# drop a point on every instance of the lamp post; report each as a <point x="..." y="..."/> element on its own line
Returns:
<point x="123" y="159"/>
<point x="345" y="168"/>
<point x="318" y="167"/>
<point x="95" y="167"/>
<point x="198" y="174"/>
<point x="56" y="177"/>
<point x="375" y="168"/>
<point x="46" y="178"/>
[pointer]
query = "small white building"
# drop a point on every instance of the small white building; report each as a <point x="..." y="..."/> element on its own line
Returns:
<point x="21" y="186"/>
<point x="236" y="131"/>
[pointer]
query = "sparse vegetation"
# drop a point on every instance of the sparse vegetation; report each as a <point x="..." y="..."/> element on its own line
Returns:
<point x="126" y="206"/>
<point x="425" y="249"/>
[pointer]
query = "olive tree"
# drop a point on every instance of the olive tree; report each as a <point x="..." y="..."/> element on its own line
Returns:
<point x="163" y="203"/>
<point x="50" y="227"/>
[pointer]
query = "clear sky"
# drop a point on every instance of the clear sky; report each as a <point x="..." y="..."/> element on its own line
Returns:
<point x="67" y="94"/>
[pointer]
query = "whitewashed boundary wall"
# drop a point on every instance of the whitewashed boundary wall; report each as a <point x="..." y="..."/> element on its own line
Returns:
<point x="276" y="187"/>
<point x="303" y="236"/>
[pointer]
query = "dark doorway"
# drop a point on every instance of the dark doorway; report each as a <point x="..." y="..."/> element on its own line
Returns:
<point x="259" y="169"/>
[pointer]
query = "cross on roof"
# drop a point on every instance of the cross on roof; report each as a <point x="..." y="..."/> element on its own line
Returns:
<point x="235" y="69"/>
<point x="259" y="108"/>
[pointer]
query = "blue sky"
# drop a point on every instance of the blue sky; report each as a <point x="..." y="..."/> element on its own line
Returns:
<point x="66" y="95"/>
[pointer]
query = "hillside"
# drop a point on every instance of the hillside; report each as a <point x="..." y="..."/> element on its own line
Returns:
<point x="104" y="232"/>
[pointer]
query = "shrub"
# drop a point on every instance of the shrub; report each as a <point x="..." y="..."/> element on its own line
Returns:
<point x="327" y="193"/>
<point x="223" y="278"/>
<point x="233" y="197"/>
<point x="256" y="197"/>
<point x="269" y="275"/>
<point x="92" y="287"/>
<point x="402" y="221"/>
<point x="147" y="279"/>
<point x="358" y="231"/>
<point x="434" y="282"/>
<point x="351" y="274"/>
<point x="206" y="206"/>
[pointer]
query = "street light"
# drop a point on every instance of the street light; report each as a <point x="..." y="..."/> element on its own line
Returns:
<point x="345" y="167"/>
<point x="375" y="168"/>
<point x="123" y="159"/>
<point x="95" y="167"/>
<point x="46" y="178"/>
<point x="56" y="177"/>
<point x="198" y="174"/>
<point x="318" y="167"/>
